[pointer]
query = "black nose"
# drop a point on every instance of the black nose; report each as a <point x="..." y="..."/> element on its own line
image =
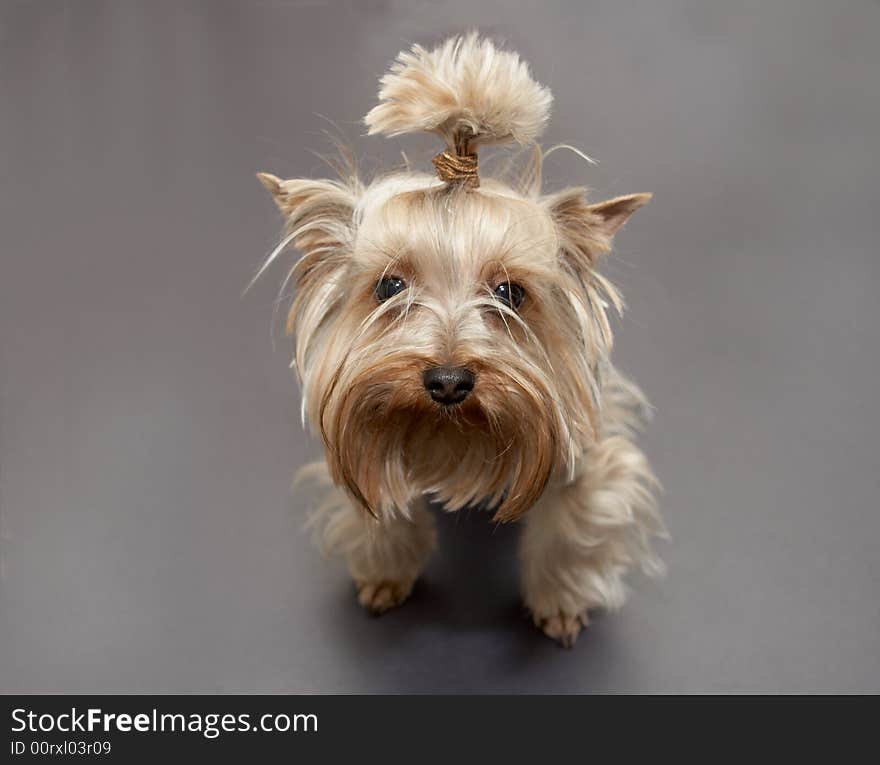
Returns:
<point x="448" y="385"/>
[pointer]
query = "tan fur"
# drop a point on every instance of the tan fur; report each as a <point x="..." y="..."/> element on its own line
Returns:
<point x="466" y="90"/>
<point x="548" y="428"/>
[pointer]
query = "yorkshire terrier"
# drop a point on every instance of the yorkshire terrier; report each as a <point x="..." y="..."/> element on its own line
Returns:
<point x="452" y="345"/>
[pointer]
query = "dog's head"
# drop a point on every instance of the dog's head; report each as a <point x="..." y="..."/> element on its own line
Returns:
<point x="449" y="332"/>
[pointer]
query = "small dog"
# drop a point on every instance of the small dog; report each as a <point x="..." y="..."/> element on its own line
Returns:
<point x="452" y="342"/>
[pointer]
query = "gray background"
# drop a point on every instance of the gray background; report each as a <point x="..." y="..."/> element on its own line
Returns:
<point x="149" y="429"/>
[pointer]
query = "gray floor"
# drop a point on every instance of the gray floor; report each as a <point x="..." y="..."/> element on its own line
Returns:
<point x="149" y="428"/>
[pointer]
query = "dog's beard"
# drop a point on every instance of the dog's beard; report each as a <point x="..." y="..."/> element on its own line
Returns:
<point x="387" y="441"/>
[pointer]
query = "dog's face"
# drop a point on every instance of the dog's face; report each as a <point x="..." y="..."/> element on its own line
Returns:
<point x="449" y="340"/>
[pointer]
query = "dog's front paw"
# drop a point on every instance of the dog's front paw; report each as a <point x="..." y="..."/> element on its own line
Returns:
<point x="378" y="597"/>
<point x="563" y="628"/>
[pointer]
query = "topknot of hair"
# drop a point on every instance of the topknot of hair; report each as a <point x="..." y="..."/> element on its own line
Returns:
<point x="466" y="90"/>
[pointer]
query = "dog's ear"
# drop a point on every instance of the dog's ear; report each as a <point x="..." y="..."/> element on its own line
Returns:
<point x="586" y="230"/>
<point x="319" y="221"/>
<point x="613" y="213"/>
<point x="319" y="214"/>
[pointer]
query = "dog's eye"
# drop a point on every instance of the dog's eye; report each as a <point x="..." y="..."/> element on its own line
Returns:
<point x="388" y="287"/>
<point x="512" y="295"/>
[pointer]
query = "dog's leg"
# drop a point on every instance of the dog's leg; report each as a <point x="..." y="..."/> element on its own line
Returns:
<point x="582" y="537"/>
<point x="385" y="556"/>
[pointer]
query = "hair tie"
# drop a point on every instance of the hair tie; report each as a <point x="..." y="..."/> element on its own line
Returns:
<point x="457" y="168"/>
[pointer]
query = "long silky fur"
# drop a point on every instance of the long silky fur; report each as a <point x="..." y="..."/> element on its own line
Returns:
<point x="467" y="90"/>
<point x="548" y="432"/>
